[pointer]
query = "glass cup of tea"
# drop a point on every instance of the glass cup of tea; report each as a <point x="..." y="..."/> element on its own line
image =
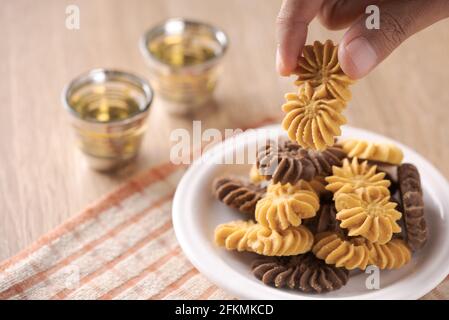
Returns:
<point x="184" y="59"/>
<point x="108" y="110"/>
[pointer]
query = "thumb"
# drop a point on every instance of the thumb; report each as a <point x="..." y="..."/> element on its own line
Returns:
<point x="362" y="49"/>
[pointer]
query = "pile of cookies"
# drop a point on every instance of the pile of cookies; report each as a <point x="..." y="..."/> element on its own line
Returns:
<point x="316" y="208"/>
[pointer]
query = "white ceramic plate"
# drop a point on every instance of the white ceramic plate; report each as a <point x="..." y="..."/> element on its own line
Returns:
<point x="196" y="214"/>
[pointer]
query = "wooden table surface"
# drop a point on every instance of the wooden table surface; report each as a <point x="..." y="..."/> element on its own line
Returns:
<point x="43" y="178"/>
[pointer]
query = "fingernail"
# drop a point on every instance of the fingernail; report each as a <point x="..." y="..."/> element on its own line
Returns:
<point x="279" y="64"/>
<point x="362" y="55"/>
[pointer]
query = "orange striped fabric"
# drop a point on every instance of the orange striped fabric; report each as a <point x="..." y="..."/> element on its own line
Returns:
<point x="122" y="247"/>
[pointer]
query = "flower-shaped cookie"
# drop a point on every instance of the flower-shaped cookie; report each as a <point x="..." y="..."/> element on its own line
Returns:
<point x="368" y="215"/>
<point x="313" y="120"/>
<point x="285" y="205"/>
<point x="319" y="67"/>
<point x="355" y="177"/>
<point x="333" y="249"/>
<point x="383" y="152"/>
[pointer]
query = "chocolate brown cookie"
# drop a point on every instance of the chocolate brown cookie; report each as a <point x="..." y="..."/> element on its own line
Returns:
<point x="288" y="162"/>
<point x="285" y="162"/>
<point x="303" y="272"/>
<point x="324" y="220"/>
<point x="324" y="160"/>
<point x="238" y="194"/>
<point x="412" y="203"/>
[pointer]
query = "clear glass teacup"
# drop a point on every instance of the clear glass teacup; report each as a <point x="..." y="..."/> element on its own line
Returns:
<point x="108" y="110"/>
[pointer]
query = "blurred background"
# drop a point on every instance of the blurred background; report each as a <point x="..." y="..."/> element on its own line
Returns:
<point x="43" y="177"/>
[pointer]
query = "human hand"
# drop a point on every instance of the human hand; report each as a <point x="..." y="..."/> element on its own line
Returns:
<point x="361" y="49"/>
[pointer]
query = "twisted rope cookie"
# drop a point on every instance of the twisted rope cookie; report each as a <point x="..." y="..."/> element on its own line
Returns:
<point x="358" y="253"/>
<point x="285" y="162"/>
<point x="238" y="194"/>
<point x="392" y="255"/>
<point x="313" y="119"/>
<point x="369" y="216"/>
<point x="248" y="236"/>
<point x="350" y="254"/>
<point x="286" y="205"/>
<point x="413" y="205"/>
<point x="319" y="67"/>
<point x="304" y="272"/>
<point x="355" y="177"/>
<point x="383" y="152"/>
<point x="288" y="242"/>
<point x="233" y="235"/>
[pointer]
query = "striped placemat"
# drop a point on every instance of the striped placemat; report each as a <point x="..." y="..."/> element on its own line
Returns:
<point x="122" y="247"/>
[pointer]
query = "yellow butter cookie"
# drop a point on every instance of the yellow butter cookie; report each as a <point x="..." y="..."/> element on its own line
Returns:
<point x="248" y="236"/>
<point x="355" y="177"/>
<point x="333" y="249"/>
<point x="313" y="120"/>
<point x="285" y="205"/>
<point x="289" y="242"/>
<point x="233" y="235"/>
<point x="368" y="215"/>
<point x="319" y="67"/>
<point x="392" y="255"/>
<point x="383" y="152"/>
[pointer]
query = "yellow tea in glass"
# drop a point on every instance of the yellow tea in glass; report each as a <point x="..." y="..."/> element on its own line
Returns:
<point x="184" y="59"/>
<point x="109" y="110"/>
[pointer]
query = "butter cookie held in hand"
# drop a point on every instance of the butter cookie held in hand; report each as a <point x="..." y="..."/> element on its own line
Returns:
<point x="319" y="67"/>
<point x="313" y="119"/>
